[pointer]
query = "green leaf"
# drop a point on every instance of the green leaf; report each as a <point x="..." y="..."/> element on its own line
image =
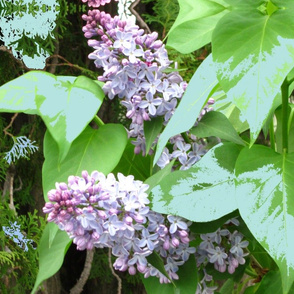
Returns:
<point x="51" y="257"/>
<point x="155" y="260"/>
<point x="134" y="164"/>
<point x="52" y="233"/>
<point x="93" y="150"/>
<point x="271" y="283"/>
<point x="252" y="77"/>
<point x="228" y="287"/>
<point x="62" y="112"/>
<point x="57" y="100"/>
<point x="264" y="193"/>
<point x="216" y="124"/>
<point x="208" y="187"/>
<point x="187" y="282"/>
<point x="197" y="93"/>
<point x="197" y="20"/>
<point x="152" y="129"/>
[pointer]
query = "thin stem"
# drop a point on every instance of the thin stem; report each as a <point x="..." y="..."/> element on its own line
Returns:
<point x="119" y="287"/>
<point x="285" y="102"/>
<point x="250" y="273"/>
<point x="290" y="118"/>
<point x="98" y="121"/>
<point x="78" y="288"/>
<point x="272" y="135"/>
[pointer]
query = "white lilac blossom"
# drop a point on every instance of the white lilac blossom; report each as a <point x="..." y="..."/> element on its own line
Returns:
<point x="134" y="69"/>
<point x="100" y="211"/>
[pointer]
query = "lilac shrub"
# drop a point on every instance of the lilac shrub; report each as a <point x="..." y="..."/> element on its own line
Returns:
<point x="135" y="69"/>
<point x="99" y="211"/>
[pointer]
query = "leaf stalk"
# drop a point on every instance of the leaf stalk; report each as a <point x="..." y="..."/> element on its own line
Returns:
<point x="285" y="102"/>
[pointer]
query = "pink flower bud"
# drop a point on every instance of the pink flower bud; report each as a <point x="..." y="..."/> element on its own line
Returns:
<point x="175" y="242"/>
<point x="132" y="270"/>
<point x="141" y="268"/>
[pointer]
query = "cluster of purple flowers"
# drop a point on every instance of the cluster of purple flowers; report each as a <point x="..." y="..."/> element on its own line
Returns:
<point x="135" y="69"/>
<point x="97" y="3"/>
<point x="99" y="211"/>
<point x="222" y="248"/>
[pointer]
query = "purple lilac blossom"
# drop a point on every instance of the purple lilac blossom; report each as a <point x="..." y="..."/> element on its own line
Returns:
<point x="222" y="248"/>
<point x="96" y="3"/>
<point x="134" y="65"/>
<point x="100" y="211"/>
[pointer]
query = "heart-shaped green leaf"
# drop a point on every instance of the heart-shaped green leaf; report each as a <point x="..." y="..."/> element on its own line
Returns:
<point x="208" y="187"/>
<point x="264" y="193"/>
<point x="93" y="150"/>
<point x="254" y="52"/>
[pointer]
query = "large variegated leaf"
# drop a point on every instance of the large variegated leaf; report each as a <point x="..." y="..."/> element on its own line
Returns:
<point x="253" y="48"/>
<point x="203" y="193"/>
<point x="66" y="104"/>
<point x="265" y="197"/>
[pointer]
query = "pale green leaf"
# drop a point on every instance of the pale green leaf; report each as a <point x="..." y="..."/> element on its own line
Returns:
<point x="208" y="187"/>
<point x="196" y="95"/>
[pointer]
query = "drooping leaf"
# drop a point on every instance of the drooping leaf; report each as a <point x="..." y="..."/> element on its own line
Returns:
<point x="66" y="104"/>
<point x="195" y="23"/>
<point x="152" y="129"/>
<point x="264" y="193"/>
<point x="93" y="150"/>
<point x="216" y="124"/>
<point x="155" y="260"/>
<point x="252" y="77"/>
<point x="51" y="257"/>
<point x="197" y="93"/>
<point x="187" y="282"/>
<point x="208" y="187"/>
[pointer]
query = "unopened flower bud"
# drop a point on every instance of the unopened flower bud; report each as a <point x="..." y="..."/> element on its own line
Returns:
<point x="132" y="270"/>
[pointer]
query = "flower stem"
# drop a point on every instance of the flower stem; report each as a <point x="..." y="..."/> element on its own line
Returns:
<point x="98" y="121"/>
<point x="285" y="102"/>
<point x="272" y="135"/>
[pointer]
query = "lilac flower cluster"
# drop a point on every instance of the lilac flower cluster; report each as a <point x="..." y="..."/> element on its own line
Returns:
<point x="97" y="3"/>
<point x="222" y="248"/>
<point x="134" y="69"/>
<point x="100" y="211"/>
